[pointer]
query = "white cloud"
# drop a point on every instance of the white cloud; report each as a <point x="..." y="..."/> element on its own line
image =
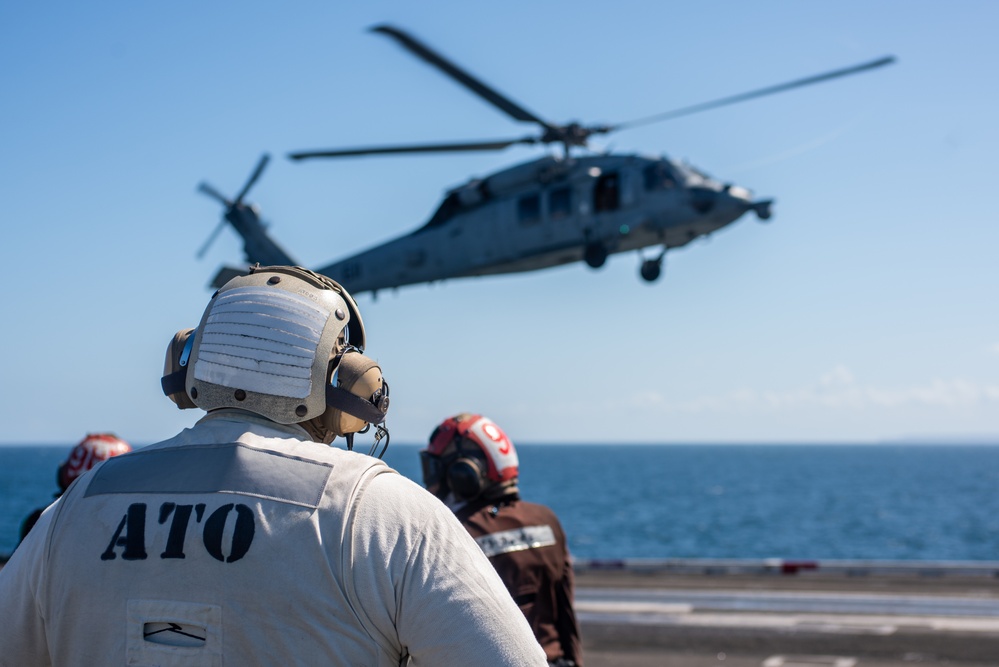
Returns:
<point x="794" y="151"/>
<point x="840" y="375"/>
<point x="838" y="389"/>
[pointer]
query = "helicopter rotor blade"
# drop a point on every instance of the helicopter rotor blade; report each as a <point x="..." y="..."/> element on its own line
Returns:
<point x="207" y="189"/>
<point x="492" y="96"/>
<point x="211" y="239"/>
<point x="253" y="178"/>
<point x="742" y="97"/>
<point x="417" y="148"/>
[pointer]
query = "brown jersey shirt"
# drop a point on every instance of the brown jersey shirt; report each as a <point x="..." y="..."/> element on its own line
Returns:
<point x="525" y="543"/>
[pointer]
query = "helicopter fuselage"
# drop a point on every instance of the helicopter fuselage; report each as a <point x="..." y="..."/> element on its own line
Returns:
<point x="551" y="212"/>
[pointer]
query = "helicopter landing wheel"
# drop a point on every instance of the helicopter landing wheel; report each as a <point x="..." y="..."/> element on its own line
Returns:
<point x="650" y="270"/>
<point x="595" y="254"/>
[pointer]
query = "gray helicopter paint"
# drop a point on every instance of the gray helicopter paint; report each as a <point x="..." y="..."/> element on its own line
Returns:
<point x="489" y="239"/>
<point x="486" y="235"/>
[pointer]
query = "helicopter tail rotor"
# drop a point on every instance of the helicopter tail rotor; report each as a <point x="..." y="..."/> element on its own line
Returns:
<point x="209" y="191"/>
<point x="211" y="239"/>
<point x="253" y="177"/>
<point x="206" y="189"/>
<point x="231" y="206"/>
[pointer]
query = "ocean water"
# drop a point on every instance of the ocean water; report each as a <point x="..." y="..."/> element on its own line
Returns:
<point x="888" y="502"/>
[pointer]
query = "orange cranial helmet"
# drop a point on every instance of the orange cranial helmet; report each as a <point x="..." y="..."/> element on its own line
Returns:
<point x="93" y="449"/>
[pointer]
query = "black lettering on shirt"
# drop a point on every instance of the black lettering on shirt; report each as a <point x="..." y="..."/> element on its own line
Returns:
<point x="134" y="539"/>
<point x="178" y="527"/>
<point x="130" y="536"/>
<point x="242" y="534"/>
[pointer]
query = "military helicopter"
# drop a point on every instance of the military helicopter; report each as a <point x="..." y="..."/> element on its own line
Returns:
<point x="547" y="212"/>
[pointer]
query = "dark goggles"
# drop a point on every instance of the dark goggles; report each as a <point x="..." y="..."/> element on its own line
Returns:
<point x="433" y="468"/>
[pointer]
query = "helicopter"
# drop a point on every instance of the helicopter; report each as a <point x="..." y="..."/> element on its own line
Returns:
<point x="547" y="212"/>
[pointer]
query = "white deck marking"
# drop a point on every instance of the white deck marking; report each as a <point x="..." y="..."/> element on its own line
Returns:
<point x="809" y="661"/>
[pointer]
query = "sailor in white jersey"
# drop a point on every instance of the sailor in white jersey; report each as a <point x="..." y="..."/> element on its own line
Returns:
<point x="246" y="540"/>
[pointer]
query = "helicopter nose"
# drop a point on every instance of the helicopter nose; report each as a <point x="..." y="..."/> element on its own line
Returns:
<point x="703" y="200"/>
<point x="726" y="201"/>
<point x="743" y="199"/>
<point x="762" y="208"/>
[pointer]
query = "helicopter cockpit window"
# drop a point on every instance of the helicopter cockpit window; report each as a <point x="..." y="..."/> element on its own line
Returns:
<point x="447" y="210"/>
<point x="689" y="175"/>
<point x="529" y="209"/>
<point x="658" y="177"/>
<point x="560" y="203"/>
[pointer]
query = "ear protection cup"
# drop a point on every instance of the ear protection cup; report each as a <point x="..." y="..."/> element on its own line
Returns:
<point x="175" y="369"/>
<point x="356" y="396"/>
<point x="466" y="478"/>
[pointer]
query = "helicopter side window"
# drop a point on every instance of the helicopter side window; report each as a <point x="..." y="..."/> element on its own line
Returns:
<point x="560" y="203"/>
<point x="529" y="209"/>
<point x="658" y="177"/>
<point x="606" y="195"/>
<point x="351" y="271"/>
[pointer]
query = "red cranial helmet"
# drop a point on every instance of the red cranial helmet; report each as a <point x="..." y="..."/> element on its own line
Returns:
<point x="469" y="455"/>
<point x="93" y="449"/>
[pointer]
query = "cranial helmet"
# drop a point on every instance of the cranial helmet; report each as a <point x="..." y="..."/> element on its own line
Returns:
<point x="470" y="456"/>
<point x="93" y="449"/>
<point x="285" y="343"/>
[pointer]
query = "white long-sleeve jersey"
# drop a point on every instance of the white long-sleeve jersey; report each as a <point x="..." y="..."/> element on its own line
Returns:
<point x="239" y="542"/>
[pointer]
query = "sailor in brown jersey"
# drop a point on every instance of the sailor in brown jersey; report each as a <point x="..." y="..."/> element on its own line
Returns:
<point x="473" y="467"/>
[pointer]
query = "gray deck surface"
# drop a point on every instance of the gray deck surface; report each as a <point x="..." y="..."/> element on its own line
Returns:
<point x="806" y="619"/>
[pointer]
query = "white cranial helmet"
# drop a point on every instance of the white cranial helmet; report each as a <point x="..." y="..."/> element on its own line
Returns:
<point x="270" y="343"/>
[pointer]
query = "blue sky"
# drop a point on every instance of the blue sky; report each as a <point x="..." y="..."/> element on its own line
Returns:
<point x="865" y="310"/>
